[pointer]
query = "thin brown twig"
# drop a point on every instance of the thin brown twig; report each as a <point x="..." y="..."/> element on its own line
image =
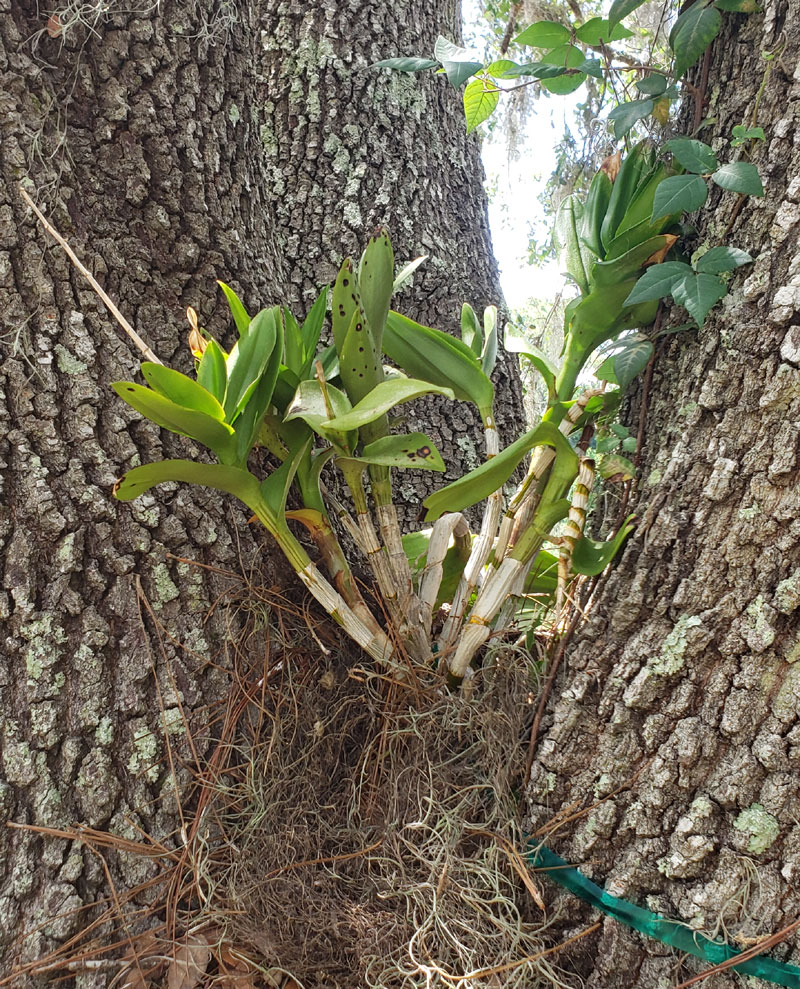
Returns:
<point x="757" y="949"/>
<point x="569" y="814"/>
<point x="513" y="14"/>
<point x="143" y="348"/>
<point x="485" y="972"/>
<point x="102" y="838"/>
<point x="700" y="93"/>
<point x="323" y="861"/>
<point x="517" y="863"/>
<point x="648" y="381"/>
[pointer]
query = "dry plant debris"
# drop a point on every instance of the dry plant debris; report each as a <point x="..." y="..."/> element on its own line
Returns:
<point x="343" y="830"/>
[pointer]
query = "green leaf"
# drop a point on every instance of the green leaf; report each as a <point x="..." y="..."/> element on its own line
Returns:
<point x="679" y="194"/>
<point x="692" y="33"/>
<point x="630" y="239"/>
<point x="721" y="259"/>
<point x="416" y="544"/>
<point x="632" y="359"/>
<point x="492" y="475"/>
<point x="615" y="467"/>
<point x="248" y="359"/>
<point x="309" y="472"/>
<point x="231" y="480"/>
<point x="344" y="303"/>
<point x="537" y="70"/>
<point x="182" y="390"/>
<point x="635" y="166"/>
<point x="564" y="84"/>
<point x="698" y="294"/>
<point x="596" y="318"/>
<point x="606" y="441"/>
<point x="553" y="505"/>
<point x="635" y="220"/>
<point x="654" y="85"/>
<point x="502" y="66"/>
<point x="412" y="450"/>
<point x="329" y="360"/>
<point x="590" y="556"/>
<point x="285" y="386"/>
<point x="624" y="116"/>
<point x="216" y="435"/>
<point x="594" y="212"/>
<point x="621" y="8"/>
<point x="738" y="6"/>
<point x="471" y="332"/>
<point x="596" y="31"/>
<point x="311" y="329"/>
<point x="212" y="373"/>
<point x="567" y="57"/>
<point x="359" y="362"/>
<point x="375" y="283"/>
<point x="275" y="488"/>
<point x="742" y="134"/>
<point x="542" y="581"/>
<point x="408" y="63"/>
<point x="657" y="281"/>
<point x="592" y="67"/>
<point x="249" y="422"/>
<point x="293" y="350"/>
<point x="567" y="241"/>
<point x="458" y="63"/>
<point x="404" y="275"/>
<point x="516" y="344"/>
<point x="695" y="156"/>
<point x="543" y="34"/>
<point x="627" y="265"/>
<point x="605" y="372"/>
<point x="481" y="97"/>
<point x="238" y="311"/>
<point x="436" y="357"/>
<point x="309" y="405"/>
<point x="489" y="350"/>
<point x="739" y="176"/>
<point x="382" y="399"/>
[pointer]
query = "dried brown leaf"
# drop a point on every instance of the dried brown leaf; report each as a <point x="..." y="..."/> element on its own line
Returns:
<point x="238" y="980"/>
<point x="658" y="257"/>
<point x="611" y="165"/>
<point x="189" y="962"/>
<point x="133" y="979"/>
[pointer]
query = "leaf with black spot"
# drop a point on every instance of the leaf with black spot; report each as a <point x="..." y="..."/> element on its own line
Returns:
<point x="344" y="303"/>
<point x="359" y="366"/>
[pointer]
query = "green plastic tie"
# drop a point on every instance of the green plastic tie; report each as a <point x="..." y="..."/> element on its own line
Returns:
<point x="670" y="932"/>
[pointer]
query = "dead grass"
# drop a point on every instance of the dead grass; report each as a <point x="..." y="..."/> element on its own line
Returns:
<point x="343" y="830"/>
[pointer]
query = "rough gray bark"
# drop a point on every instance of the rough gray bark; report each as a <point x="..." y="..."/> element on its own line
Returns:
<point x="175" y="146"/>
<point x="351" y="149"/>
<point x="684" y="687"/>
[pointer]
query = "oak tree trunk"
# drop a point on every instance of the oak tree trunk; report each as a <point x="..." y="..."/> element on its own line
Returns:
<point x="173" y="144"/>
<point x="684" y="687"/>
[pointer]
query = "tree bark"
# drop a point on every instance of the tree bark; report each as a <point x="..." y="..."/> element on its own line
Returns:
<point x="352" y="148"/>
<point x="174" y="144"/>
<point x="684" y="686"/>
